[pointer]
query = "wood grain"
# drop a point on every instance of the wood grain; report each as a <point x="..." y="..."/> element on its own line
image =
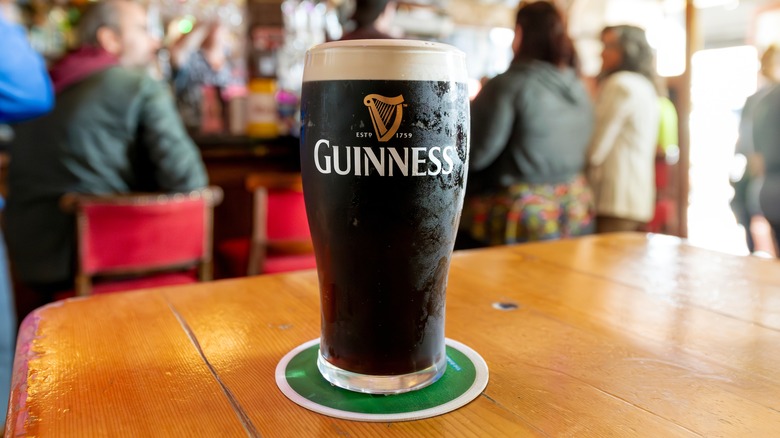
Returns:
<point x="616" y="335"/>
<point x="113" y="365"/>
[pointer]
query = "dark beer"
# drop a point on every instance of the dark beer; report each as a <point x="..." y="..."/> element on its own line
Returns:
<point x="384" y="164"/>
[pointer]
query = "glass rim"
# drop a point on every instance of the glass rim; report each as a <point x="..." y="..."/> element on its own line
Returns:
<point x="388" y="44"/>
<point x="385" y="59"/>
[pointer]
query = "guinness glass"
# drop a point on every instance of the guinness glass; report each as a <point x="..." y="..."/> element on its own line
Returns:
<point x="384" y="153"/>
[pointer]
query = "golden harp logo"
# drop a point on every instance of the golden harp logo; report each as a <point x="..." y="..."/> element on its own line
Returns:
<point x="386" y="114"/>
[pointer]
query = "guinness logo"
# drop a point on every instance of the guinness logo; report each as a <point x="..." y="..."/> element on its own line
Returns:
<point x="386" y="114"/>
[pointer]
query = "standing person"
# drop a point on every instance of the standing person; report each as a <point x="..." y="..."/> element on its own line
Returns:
<point x="766" y="139"/>
<point x="621" y="156"/>
<point x="25" y="91"/>
<point x="747" y="184"/>
<point x="530" y="128"/>
<point x="200" y="59"/>
<point x="372" y="19"/>
<point x="114" y="129"/>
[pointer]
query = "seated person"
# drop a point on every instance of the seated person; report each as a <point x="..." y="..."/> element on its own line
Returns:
<point x="114" y="129"/>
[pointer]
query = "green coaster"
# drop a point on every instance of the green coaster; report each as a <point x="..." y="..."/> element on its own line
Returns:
<point x="464" y="379"/>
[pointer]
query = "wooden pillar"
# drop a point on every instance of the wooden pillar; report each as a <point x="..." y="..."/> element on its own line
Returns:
<point x="692" y="44"/>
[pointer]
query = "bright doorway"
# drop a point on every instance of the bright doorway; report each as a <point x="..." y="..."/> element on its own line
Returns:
<point x="721" y="81"/>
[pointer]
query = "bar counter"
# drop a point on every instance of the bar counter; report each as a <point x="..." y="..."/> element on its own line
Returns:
<point x="610" y="335"/>
<point x="229" y="161"/>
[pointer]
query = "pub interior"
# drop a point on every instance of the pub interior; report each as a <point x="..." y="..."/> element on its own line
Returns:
<point x="245" y="120"/>
<point x="250" y="123"/>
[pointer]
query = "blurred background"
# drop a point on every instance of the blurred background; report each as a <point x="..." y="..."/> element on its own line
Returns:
<point x="707" y="51"/>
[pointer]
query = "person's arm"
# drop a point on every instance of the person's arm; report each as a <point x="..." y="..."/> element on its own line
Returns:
<point x="25" y="87"/>
<point x="179" y="166"/>
<point x="492" y="121"/>
<point x="745" y="143"/>
<point x="611" y="111"/>
<point x="190" y="43"/>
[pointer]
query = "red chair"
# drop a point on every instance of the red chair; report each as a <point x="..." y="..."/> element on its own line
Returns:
<point x="280" y="240"/>
<point x="136" y="241"/>
<point x="665" y="216"/>
<point x="662" y="169"/>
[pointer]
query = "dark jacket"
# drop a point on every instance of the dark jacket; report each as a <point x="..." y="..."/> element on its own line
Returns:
<point x="114" y="131"/>
<point x="529" y="124"/>
<point x="766" y="140"/>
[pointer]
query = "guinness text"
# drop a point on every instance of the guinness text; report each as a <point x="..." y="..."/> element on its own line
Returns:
<point x="384" y="161"/>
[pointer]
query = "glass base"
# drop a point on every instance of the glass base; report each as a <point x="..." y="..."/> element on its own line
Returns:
<point x="371" y="384"/>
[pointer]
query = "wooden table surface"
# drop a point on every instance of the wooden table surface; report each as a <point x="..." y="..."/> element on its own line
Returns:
<point x="615" y="335"/>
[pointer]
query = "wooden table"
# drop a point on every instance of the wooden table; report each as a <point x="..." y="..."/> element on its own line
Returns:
<point x="616" y="335"/>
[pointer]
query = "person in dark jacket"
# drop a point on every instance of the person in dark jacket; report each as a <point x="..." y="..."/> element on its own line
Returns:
<point x="25" y="91"/>
<point x="747" y="183"/>
<point x="766" y="140"/>
<point x="114" y="129"/>
<point x="530" y="128"/>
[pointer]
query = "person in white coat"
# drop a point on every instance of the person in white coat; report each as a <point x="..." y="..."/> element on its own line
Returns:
<point x="622" y="150"/>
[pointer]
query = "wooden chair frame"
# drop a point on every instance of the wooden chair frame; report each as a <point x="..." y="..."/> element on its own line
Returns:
<point x="75" y="202"/>
<point x="259" y="184"/>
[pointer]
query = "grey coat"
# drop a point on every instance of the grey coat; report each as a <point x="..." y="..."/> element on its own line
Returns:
<point x="529" y="124"/>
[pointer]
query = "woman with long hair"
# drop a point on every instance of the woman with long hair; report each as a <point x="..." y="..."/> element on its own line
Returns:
<point x="530" y="128"/>
<point x="621" y="156"/>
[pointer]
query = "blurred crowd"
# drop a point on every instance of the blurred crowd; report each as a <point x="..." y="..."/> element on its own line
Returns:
<point x="548" y="160"/>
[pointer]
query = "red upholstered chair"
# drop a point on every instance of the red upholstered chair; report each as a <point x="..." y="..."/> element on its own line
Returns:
<point x="662" y="169"/>
<point x="665" y="217"/>
<point x="280" y="240"/>
<point x="663" y="220"/>
<point x="136" y="241"/>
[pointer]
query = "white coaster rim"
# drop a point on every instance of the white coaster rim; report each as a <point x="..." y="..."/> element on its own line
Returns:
<point x="476" y="388"/>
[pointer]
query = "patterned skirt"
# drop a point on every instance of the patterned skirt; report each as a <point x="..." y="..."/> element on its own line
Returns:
<point x="530" y="212"/>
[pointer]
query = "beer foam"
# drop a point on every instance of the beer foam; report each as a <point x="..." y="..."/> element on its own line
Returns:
<point x="404" y="60"/>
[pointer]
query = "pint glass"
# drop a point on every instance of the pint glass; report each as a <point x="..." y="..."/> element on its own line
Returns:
<point x="384" y="155"/>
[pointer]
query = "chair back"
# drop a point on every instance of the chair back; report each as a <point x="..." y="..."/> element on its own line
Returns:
<point x="285" y="214"/>
<point x="279" y="225"/>
<point x="141" y="234"/>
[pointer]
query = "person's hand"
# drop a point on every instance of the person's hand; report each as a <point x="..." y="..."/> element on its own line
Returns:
<point x="756" y="165"/>
<point x="189" y="43"/>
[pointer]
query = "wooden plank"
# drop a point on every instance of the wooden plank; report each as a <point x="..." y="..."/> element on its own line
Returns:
<point x="591" y="350"/>
<point x="536" y="395"/>
<point x="118" y="365"/>
<point x="689" y="365"/>
<point x="265" y="317"/>
<point x="745" y="288"/>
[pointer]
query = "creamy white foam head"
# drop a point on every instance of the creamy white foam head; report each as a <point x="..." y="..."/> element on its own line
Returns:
<point x="405" y="60"/>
